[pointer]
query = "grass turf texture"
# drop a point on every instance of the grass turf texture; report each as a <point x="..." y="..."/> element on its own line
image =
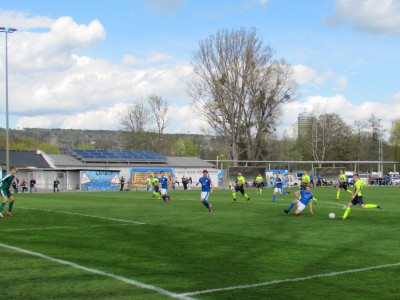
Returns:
<point x="183" y="248"/>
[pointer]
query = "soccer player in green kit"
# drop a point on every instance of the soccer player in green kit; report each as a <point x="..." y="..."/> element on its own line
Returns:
<point x="240" y="181"/>
<point x="154" y="183"/>
<point x="259" y="183"/>
<point x="5" y="184"/>
<point x="342" y="185"/>
<point x="357" y="197"/>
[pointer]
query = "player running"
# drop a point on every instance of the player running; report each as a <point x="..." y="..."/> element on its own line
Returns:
<point x="278" y="187"/>
<point x="240" y="182"/>
<point x="165" y="184"/>
<point x="5" y="184"/>
<point x="154" y="182"/>
<point x="206" y="189"/>
<point x="342" y="185"/>
<point x="305" y="197"/>
<point x="357" y="197"/>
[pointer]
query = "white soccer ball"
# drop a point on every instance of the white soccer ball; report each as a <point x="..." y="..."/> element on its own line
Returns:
<point x="332" y="216"/>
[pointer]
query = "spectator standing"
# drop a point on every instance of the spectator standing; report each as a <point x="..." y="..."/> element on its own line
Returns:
<point x="184" y="183"/>
<point x="122" y="183"/>
<point x="56" y="184"/>
<point x="32" y="185"/>
<point x="15" y="184"/>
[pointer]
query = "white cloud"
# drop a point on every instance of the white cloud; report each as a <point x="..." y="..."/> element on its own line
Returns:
<point x="396" y="98"/>
<point x="374" y="16"/>
<point x="22" y="21"/>
<point x="303" y="74"/>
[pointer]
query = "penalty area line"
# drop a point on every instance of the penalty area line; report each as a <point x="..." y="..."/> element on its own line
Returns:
<point x="273" y="282"/>
<point x="83" y="215"/>
<point x="98" y="272"/>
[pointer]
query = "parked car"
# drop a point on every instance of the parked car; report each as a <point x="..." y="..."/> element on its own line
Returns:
<point x="394" y="178"/>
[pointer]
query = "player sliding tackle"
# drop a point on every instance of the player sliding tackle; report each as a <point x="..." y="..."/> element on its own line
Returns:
<point x="305" y="197"/>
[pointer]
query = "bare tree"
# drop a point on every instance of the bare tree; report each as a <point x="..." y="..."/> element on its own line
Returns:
<point x="240" y="89"/>
<point x="134" y="124"/>
<point x="159" y="110"/>
<point x="329" y="138"/>
<point x="136" y="118"/>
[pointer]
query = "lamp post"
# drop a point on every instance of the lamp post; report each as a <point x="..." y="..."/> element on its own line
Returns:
<point x="6" y="32"/>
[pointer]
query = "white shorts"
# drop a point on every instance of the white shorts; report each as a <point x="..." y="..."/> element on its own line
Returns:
<point x="278" y="190"/>
<point x="204" y="195"/>
<point x="163" y="191"/>
<point x="300" y="206"/>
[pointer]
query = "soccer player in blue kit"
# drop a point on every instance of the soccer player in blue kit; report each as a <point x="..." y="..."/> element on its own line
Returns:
<point x="206" y="189"/>
<point x="164" y="187"/>
<point x="278" y="187"/>
<point x="305" y="198"/>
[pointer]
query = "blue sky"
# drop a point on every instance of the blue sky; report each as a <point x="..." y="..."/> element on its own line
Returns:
<point x="78" y="64"/>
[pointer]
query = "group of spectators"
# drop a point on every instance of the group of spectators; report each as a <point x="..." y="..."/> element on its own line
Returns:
<point x="32" y="185"/>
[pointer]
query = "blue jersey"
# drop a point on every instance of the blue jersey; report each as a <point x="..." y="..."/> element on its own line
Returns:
<point x="279" y="182"/>
<point x="305" y="197"/>
<point x="205" y="184"/>
<point x="164" y="182"/>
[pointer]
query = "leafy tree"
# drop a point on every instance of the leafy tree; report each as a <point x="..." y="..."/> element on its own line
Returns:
<point x="395" y="139"/>
<point x="327" y="139"/>
<point x="85" y="147"/>
<point x="23" y="143"/>
<point x="48" y="148"/>
<point x="240" y="89"/>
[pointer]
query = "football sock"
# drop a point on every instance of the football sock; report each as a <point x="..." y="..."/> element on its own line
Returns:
<point x="2" y="206"/>
<point x="245" y="195"/>
<point x="290" y="206"/>
<point x="338" y="195"/>
<point x="371" y="206"/>
<point x="346" y="212"/>
<point x="349" y="191"/>
<point x="273" y="198"/>
<point x="11" y="204"/>
<point x="206" y="204"/>
<point x="284" y="193"/>
<point x="234" y="195"/>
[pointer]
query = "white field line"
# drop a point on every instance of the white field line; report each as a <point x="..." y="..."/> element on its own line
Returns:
<point x="83" y="215"/>
<point x="63" y="227"/>
<point x="274" y="282"/>
<point x="98" y="272"/>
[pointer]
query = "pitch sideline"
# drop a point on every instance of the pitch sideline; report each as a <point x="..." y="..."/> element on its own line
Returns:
<point x="273" y="282"/>
<point x="98" y="272"/>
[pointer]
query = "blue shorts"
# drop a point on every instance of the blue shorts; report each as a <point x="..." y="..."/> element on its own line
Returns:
<point x="357" y="200"/>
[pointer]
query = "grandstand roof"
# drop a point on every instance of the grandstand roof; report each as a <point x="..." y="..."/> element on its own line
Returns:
<point x="24" y="159"/>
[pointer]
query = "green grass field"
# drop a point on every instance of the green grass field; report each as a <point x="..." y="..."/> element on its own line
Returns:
<point x="128" y="245"/>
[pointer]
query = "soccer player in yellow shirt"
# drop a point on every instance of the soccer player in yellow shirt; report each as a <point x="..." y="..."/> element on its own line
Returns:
<point x="240" y="182"/>
<point x="357" y="197"/>
<point x="259" y="183"/>
<point x="342" y="185"/>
